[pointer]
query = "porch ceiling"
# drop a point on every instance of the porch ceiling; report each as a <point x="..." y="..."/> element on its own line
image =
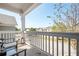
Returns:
<point x="21" y="8"/>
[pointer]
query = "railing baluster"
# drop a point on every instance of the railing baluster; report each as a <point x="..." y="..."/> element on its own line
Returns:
<point x="6" y="38"/>
<point x="43" y="42"/>
<point x="39" y="42"/>
<point x="77" y="47"/>
<point x="46" y="43"/>
<point x="10" y="37"/>
<point x="3" y="35"/>
<point x="49" y="43"/>
<point x="32" y="39"/>
<point x="69" y="47"/>
<point x="34" y="42"/>
<point x="53" y="45"/>
<point x="57" y="46"/>
<point x="14" y="37"/>
<point x="62" y="46"/>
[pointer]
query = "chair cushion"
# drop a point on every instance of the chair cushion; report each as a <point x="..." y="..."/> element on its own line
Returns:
<point x="10" y="44"/>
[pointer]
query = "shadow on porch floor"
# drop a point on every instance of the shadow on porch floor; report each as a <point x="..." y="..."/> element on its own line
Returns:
<point x="32" y="51"/>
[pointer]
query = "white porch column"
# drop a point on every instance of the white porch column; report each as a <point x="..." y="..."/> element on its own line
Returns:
<point x="23" y="27"/>
<point x="23" y="22"/>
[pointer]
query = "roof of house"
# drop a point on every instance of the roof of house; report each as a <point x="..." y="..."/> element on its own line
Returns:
<point x="6" y="20"/>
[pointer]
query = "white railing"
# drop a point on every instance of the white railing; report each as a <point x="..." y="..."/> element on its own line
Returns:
<point x="11" y="39"/>
<point x="55" y="43"/>
<point x="48" y="42"/>
<point x="9" y="36"/>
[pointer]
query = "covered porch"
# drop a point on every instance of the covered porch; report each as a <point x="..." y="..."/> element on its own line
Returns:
<point x="37" y="43"/>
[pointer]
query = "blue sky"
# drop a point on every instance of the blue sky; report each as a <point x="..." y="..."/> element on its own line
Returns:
<point x="37" y="17"/>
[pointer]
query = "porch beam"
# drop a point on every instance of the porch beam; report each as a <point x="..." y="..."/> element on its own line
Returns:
<point x="31" y="8"/>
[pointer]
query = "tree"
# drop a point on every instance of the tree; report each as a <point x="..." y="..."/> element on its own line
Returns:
<point x="54" y="28"/>
<point x="66" y="18"/>
<point x="59" y="27"/>
<point x="32" y="29"/>
<point x="71" y="15"/>
<point x="17" y="29"/>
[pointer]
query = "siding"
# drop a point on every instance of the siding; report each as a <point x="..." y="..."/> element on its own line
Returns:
<point x="7" y="28"/>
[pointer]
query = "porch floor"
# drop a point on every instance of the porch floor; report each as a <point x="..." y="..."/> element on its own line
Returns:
<point x="31" y="51"/>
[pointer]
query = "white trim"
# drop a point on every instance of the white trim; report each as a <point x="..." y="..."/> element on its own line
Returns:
<point x="31" y="8"/>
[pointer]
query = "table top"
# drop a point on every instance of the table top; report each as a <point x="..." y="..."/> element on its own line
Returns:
<point x="10" y="51"/>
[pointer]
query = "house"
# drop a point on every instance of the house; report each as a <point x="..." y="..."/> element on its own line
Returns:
<point x="7" y="23"/>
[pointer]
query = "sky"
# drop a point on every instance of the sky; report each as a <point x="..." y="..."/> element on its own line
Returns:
<point x="36" y="18"/>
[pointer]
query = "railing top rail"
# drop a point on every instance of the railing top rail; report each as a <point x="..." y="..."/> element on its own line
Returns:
<point x="67" y="34"/>
<point x="10" y="31"/>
